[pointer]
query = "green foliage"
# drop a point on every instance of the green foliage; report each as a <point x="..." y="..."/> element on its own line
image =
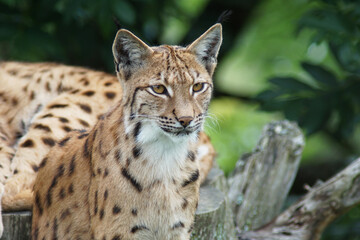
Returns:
<point x="328" y="102"/>
<point x="79" y="32"/>
<point x="234" y="128"/>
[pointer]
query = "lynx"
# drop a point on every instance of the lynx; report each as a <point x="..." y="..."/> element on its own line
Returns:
<point x="132" y="172"/>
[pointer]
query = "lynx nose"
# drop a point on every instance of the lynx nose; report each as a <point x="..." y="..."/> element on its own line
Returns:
<point x="185" y="121"/>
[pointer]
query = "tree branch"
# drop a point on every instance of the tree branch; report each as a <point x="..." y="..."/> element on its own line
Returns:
<point x="306" y="219"/>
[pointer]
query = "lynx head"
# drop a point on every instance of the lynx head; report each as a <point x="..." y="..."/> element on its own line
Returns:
<point x="167" y="89"/>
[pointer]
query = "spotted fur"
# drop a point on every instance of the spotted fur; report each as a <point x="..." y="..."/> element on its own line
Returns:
<point x="132" y="172"/>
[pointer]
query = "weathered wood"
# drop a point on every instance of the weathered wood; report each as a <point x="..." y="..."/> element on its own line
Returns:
<point x="214" y="218"/>
<point x="17" y="226"/>
<point x="261" y="180"/>
<point x="306" y="219"/>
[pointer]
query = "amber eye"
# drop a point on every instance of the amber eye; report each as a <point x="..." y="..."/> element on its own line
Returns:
<point x="197" y="87"/>
<point x="159" y="89"/>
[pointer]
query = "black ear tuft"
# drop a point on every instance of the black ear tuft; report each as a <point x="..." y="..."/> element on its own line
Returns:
<point x="224" y="16"/>
<point x="117" y="23"/>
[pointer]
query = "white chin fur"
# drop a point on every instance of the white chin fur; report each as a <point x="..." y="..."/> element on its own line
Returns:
<point x="166" y="153"/>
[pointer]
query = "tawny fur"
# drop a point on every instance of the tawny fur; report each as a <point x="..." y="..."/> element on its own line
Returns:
<point x="102" y="177"/>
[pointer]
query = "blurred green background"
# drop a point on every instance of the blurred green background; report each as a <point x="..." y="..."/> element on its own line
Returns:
<point x="295" y="59"/>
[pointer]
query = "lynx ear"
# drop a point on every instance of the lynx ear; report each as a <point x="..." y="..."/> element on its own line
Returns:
<point x="206" y="47"/>
<point x="130" y="53"/>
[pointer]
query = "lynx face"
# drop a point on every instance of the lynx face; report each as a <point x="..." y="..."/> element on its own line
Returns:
<point x="167" y="88"/>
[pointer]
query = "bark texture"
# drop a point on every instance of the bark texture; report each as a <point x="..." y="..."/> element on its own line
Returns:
<point x="214" y="218"/>
<point x="306" y="219"/>
<point x="262" y="179"/>
<point x="17" y="226"/>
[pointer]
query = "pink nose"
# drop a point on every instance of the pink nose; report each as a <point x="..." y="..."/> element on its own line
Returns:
<point x="185" y="121"/>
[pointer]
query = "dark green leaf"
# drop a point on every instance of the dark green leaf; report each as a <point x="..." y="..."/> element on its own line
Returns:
<point x="269" y="94"/>
<point x="320" y="74"/>
<point x="316" y="115"/>
<point x="291" y="84"/>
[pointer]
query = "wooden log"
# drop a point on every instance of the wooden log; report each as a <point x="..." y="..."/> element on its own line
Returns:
<point x="17" y="226"/>
<point x="262" y="179"/>
<point x="306" y="219"/>
<point x="214" y="218"/>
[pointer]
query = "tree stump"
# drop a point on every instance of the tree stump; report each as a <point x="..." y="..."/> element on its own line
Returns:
<point x="262" y="179"/>
<point x="17" y="226"/>
<point x="214" y="218"/>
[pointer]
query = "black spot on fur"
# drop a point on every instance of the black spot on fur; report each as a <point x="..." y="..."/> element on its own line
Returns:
<point x="106" y="194"/>
<point x="118" y="156"/>
<point x="116" y="209"/>
<point x="38" y="203"/>
<point x="71" y="189"/>
<point x="136" y="152"/>
<point x="85" y="81"/>
<point x="106" y="172"/>
<point x="64" y="141"/>
<point x="88" y="93"/>
<point x="55" y="229"/>
<point x="136" y="228"/>
<point x="43" y="162"/>
<point x="63" y="120"/>
<point x="178" y="225"/>
<point x="13" y="72"/>
<point x="48" y="141"/>
<point x="28" y="143"/>
<point x="132" y="180"/>
<point x="35" y="168"/>
<point x="16" y="171"/>
<point x="137" y="129"/>
<point x="193" y="178"/>
<point x="185" y="203"/>
<point x="108" y="84"/>
<point x="42" y="127"/>
<point x="32" y="95"/>
<point x="101" y="214"/>
<point x="116" y="237"/>
<point x="62" y="193"/>
<point x="47" y="115"/>
<point x="58" y="106"/>
<point x="96" y="203"/>
<point x="134" y="212"/>
<point x="60" y="171"/>
<point x="84" y="123"/>
<point x="64" y="214"/>
<point x="191" y="155"/>
<point x="66" y="129"/>
<point x="72" y="165"/>
<point x="86" y="149"/>
<point x="14" y="101"/>
<point x="86" y="108"/>
<point x="110" y="95"/>
<point x="83" y="135"/>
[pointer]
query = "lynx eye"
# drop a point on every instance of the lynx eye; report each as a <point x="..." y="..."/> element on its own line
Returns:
<point x="159" y="89"/>
<point x="198" y="87"/>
